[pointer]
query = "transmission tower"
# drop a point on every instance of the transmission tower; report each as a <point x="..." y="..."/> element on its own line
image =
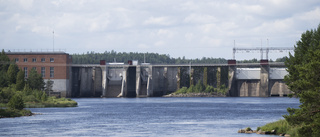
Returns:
<point x="262" y="50"/>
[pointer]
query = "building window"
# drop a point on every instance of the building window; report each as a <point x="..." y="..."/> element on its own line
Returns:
<point x="43" y="72"/>
<point x="35" y="68"/>
<point x="34" y="59"/>
<point x="43" y="60"/>
<point x="51" y="59"/>
<point x="16" y="59"/>
<point x="25" y="60"/>
<point x="25" y="72"/>
<point x="51" y="72"/>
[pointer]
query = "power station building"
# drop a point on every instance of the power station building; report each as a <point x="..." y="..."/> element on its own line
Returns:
<point x="54" y="66"/>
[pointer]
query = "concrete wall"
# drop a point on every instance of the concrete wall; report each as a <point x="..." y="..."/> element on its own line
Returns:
<point x="248" y="88"/>
<point x="171" y="76"/>
<point x="59" y="86"/>
<point x="85" y="82"/>
<point x="264" y="81"/>
<point x="114" y="81"/>
<point x="258" y="82"/>
<point x="152" y="81"/>
<point x="144" y="75"/>
<point x="158" y="81"/>
<point x="278" y="88"/>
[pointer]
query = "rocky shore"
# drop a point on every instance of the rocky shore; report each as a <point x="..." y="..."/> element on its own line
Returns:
<point x="196" y="95"/>
<point x="272" y="132"/>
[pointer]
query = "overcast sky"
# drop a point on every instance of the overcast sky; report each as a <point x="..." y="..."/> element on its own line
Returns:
<point x="190" y="28"/>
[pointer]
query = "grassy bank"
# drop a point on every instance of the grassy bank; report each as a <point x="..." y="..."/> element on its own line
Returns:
<point x="280" y="127"/>
<point x="5" y="113"/>
<point x="200" y="88"/>
<point x="52" y="102"/>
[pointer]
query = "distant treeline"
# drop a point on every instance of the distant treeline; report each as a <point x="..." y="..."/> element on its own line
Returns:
<point x="153" y="58"/>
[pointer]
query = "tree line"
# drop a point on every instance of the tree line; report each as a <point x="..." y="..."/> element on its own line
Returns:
<point x="18" y="92"/>
<point x="153" y="58"/>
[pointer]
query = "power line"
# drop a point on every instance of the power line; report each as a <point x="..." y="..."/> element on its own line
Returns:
<point x="261" y="50"/>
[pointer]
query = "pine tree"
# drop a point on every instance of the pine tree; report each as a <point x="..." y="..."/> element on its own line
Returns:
<point x="303" y="79"/>
<point x="12" y="73"/>
<point x="20" y="80"/>
<point x="35" y="80"/>
<point x="3" y="79"/>
<point x="4" y="61"/>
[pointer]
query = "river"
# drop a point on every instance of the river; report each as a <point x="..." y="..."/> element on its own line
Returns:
<point x="215" y="117"/>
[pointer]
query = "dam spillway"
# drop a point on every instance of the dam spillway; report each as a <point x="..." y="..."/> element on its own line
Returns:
<point x="243" y="80"/>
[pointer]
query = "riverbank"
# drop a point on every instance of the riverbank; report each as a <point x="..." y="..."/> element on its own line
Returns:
<point x="9" y="113"/>
<point x="196" y="95"/>
<point x="280" y="127"/>
<point x="50" y="102"/>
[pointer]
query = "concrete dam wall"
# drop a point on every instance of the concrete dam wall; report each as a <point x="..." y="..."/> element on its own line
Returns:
<point x="159" y="80"/>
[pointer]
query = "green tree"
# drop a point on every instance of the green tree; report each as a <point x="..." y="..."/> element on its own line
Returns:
<point x="20" y="82"/>
<point x="4" y="61"/>
<point x="304" y="80"/>
<point x="16" y="102"/>
<point x="12" y="73"/>
<point x="3" y="79"/>
<point x="4" y="64"/>
<point x="283" y="59"/>
<point x="49" y="85"/>
<point x="35" y="80"/>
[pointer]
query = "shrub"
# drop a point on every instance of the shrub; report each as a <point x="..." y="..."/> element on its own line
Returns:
<point x="182" y="90"/>
<point x="199" y="87"/>
<point x="281" y="126"/>
<point x="30" y="98"/>
<point x="16" y="102"/>
<point x="258" y="128"/>
<point x="14" y="113"/>
<point x="190" y="89"/>
<point x="5" y="94"/>
<point x="209" y="89"/>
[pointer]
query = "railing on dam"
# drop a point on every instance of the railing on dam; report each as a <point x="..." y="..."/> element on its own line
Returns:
<point x="271" y="64"/>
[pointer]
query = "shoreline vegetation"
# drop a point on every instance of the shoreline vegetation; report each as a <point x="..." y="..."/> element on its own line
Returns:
<point x="18" y="92"/>
<point x="200" y="90"/>
<point x="280" y="128"/>
<point x="7" y="112"/>
<point x="303" y="80"/>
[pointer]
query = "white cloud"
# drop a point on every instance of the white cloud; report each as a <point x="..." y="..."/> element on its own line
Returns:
<point x="162" y="21"/>
<point x="176" y="27"/>
<point x="313" y="15"/>
<point x="211" y="42"/>
<point x="159" y="43"/>
<point x="143" y="46"/>
<point x="200" y="18"/>
<point x="189" y="36"/>
<point x="99" y="23"/>
<point x="26" y="4"/>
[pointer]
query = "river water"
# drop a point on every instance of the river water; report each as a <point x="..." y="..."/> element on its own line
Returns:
<point x="215" y="117"/>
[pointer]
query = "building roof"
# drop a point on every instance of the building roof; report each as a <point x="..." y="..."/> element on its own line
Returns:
<point x="37" y="53"/>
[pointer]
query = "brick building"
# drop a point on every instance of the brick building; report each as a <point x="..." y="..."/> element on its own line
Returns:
<point x="55" y="66"/>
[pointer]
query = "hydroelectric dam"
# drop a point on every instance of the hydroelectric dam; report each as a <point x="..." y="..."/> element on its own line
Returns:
<point x="262" y="79"/>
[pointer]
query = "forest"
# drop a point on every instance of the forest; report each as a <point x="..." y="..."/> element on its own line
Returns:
<point x="153" y="58"/>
